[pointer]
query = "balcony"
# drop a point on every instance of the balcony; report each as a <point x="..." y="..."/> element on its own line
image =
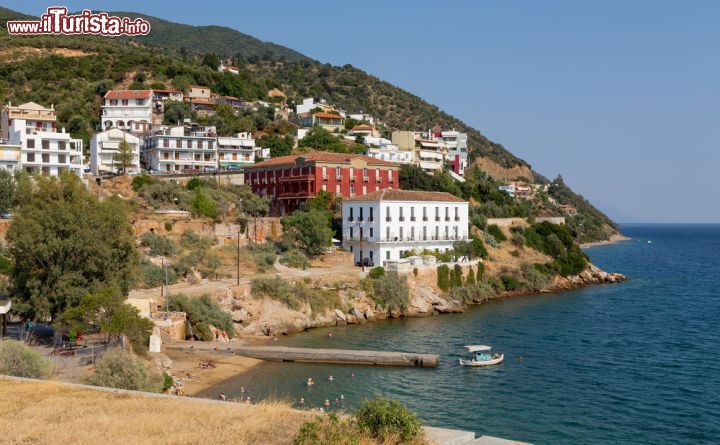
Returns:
<point x="371" y="219"/>
<point x="425" y="218"/>
<point x="402" y="218"/>
<point x="360" y="219"/>
<point x="437" y="218"/>
<point x="351" y="219"/>
<point x="412" y="218"/>
<point x="457" y="218"/>
<point x="447" y="218"/>
<point x="388" y="219"/>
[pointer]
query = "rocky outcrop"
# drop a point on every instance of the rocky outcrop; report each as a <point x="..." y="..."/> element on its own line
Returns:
<point x="253" y="316"/>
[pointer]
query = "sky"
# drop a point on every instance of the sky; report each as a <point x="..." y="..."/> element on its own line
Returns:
<point x="619" y="97"/>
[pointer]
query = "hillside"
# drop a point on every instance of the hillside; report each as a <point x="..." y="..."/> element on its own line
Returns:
<point x="71" y="72"/>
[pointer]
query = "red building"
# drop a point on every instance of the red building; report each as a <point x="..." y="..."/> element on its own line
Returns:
<point x="291" y="180"/>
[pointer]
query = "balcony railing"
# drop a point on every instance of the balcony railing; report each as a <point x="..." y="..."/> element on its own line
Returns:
<point x="370" y="219"/>
<point x="457" y="218"/>
<point x="350" y="219"/>
<point x="402" y="218"/>
<point x="425" y="218"/>
<point x="407" y="239"/>
<point x="447" y="218"/>
<point x="412" y="218"/>
<point x="437" y="218"/>
<point x="360" y="218"/>
<point x="388" y="219"/>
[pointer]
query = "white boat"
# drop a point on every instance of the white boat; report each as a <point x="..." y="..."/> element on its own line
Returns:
<point x="481" y="356"/>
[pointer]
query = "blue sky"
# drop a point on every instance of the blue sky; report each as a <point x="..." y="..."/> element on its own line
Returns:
<point x="619" y="97"/>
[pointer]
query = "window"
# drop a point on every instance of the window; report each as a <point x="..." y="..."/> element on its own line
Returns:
<point x="350" y="218"/>
<point x="210" y="145"/>
<point x="387" y="214"/>
<point x="457" y="217"/>
<point x="437" y="213"/>
<point x="424" y="233"/>
<point x="371" y="255"/>
<point x="61" y="145"/>
<point x="324" y="173"/>
<point x="447" y="213"/>
<point x="402" y="218"/>
<point x="387" y="233"/>
<point x="447" y="232"/>
<point x="390" y="175"/>
<point x="387" y="254"/>
<point x="364" y="190"/>
<point x="125" y="102"/>
<point x="178" y="143"/>
<point x="113" y="102"/>
<point x="45" y="144"/>
<point x="31" y="143"/>
<point x="139" y="101"/>
<point x="31" y="157"/>
<point x="401" y="232"/>
<point x="412" y="232"/>
<point x="351" y="232"/>
<point x="437" y="232"/>
<point x="412" y="213"/>
<point x="371" y="231"/>
<point x="352" y="190"/>
<point x="337" y="189"/>
<point x="338" y="173"/>
<point x="61" y="159"/>
<point x="371" y="214"/>
<point x="166" y="143"/>
<point x="324" y="187"/>
<point x="365" y="172"/>
<point x="377" y="174"/>
<point x="360" y="218"/>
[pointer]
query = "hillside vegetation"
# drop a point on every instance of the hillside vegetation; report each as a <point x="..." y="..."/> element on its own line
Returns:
<point x="73" y="72"/>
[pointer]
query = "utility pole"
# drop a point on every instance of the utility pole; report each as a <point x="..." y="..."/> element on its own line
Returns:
<point x="238" y="256"/>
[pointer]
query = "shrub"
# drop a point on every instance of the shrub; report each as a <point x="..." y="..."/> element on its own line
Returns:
<point x="385" y="419"/>
<point x="470" y="280"/>
<point x="518" y="240"/>
<point x="18" y="360"/>
<point x="152" y="275"/>
<point x="202" y="204"/>
<point x="264" y="255"/>
<point x="377" y="272"/>
<point x="192" y="241"/>
<point x="295" y="258"/>
<point x="478" y="248"/>
<point x="202" y="312"/>
<point x="496" y="232"/>
<point x="456" y="276"/>
<point x="535" y="280"/>
<point x="443" y="277"/>
<point x="123" y="370"/>
<point x="295" y="295"/>
<point x="480" y="272"/>
<point x="391" y="292"/>
<point x="5" y="265"/>
<point x="475" y="293"/>
<point x="167" y="381"/>
<point x="163" y="194"/>
<point x="329" y="430"/>
<point x="158" y="245"/>
<point x="140" y="180"/>
<point x="510" y="282"/>
<point x="415" y="271"/>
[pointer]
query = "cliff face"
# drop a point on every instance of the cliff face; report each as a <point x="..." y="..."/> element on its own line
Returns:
<point x="251" y="315"/>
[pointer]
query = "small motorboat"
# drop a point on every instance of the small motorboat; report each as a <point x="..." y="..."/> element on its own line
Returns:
<point x="481" y="356"/>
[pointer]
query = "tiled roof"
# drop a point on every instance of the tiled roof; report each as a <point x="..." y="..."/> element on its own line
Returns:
<point x="337" y="158"/>
<point x="167" y="91"/>
<point x="328" y="116"/>
<point x="407" y="195"/>
<point x="362" y="128"/>
<point x="128" y="94"/>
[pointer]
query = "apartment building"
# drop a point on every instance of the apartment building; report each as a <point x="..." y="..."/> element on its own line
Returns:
<point x="457" y="150"/>
<point x="236" y="151"/>
<point x="128" y="110"/>
<point x="105" y="146"/>
<point x="187" y="147"/>
<point x="291" y="180"/>
<point x="388" y="224"/>
<point x="43" y="149"/>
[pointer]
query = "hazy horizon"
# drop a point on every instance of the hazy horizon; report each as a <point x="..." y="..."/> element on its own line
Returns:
<point x="621" y="99"/>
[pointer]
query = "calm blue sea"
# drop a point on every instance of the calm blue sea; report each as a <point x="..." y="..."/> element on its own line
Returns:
<point x="633" y="363"/>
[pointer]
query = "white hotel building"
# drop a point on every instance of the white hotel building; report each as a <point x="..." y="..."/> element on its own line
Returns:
<point x="42" y="149"/>
<point x="129" y="110"/>
<point x="105" y="146"/>
<point x="174" y="149"/>
<point x="386" y="224"/>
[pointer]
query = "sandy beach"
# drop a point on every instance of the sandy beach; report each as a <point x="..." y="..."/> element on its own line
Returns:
<point x="186" y="362"/>
<point x="613" y="239"/>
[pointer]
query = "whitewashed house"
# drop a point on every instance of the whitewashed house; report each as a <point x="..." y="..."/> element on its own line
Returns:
<point x="129" y="110"/>
<point x="457" y="150"/>
<point x="236" y="151"/>
<point x="389" y="224"/>
<point x="188" y="147"/>
<point x="105" y="146"/>
<point x="43" y="149"/>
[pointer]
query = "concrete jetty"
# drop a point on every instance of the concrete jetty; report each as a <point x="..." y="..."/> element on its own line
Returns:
<point x="312" y="355"/>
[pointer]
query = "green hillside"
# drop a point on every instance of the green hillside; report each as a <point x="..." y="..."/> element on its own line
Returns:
<point x="72" y="73"/>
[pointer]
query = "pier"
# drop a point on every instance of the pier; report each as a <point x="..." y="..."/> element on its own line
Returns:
<point x="312" y="355"/>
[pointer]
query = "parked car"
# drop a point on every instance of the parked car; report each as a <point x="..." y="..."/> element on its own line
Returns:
<point x="86" y="169"/>
<point x="6" y="214"/>
<point x="233" y="168"/>
<point x="132" y="172"/>
<point x="366" y="262"/>
<point x="210" y="170"/>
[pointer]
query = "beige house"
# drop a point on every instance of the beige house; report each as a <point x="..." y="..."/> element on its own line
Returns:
<point x="199" y="93"/>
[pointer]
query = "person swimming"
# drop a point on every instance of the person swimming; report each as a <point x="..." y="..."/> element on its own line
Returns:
<point x="331" y="378"/>
<point x="326" y="402"/>
<point x="310" y="381"/>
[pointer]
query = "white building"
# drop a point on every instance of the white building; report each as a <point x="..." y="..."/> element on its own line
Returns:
<point x="362" y="117"/>
<point x="388" y="224"/>
<point x="129" y="110"/>
<point x="457" y="147"/>
<point x="236" y="151"/>
<point x="392" y="153"/>
<point x="310" y="103"/>
<point x="181" y="148"/>
<point x="9" y="156"/>
<point x="43" y="149"/>
<point x="105" y="146"/>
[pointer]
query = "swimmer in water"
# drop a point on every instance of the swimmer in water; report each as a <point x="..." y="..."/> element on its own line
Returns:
<point x="331" y="378"/>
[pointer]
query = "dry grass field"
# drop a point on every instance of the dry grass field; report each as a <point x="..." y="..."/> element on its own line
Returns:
<point x="49" y="412"/>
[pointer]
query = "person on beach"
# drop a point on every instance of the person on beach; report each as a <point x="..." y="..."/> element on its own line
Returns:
<point x="302" y="401"/>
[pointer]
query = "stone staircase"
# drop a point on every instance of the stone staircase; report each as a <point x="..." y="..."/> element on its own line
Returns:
<point x="443" y="436"/>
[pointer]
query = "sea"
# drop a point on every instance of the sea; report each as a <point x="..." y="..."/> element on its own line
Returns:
<point x="630" y="363"/>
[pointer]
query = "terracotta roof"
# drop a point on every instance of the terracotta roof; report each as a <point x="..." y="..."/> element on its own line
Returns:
<point x="407" y="195"/>
<point x="202" y="102"/>
<point x="338" y="158"/>
<point x="361" y="128"/>
<point x="167" y="91"/>
<point x="328" y="116"/>
<point x="128" y="94"/>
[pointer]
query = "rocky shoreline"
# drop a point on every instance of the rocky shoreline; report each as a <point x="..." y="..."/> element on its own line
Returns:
<point x="253" y="317"/>
<point x="616" y="238"/>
